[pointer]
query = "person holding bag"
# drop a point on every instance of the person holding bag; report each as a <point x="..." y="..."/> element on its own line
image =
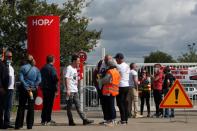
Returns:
<point x="30" y="78"/>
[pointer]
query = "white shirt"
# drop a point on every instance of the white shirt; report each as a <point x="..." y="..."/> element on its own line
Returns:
<point x="11" y="77"/>
<point x="124" y="72"/>
<point x="72" y="75"/>
<point x="132" y="74"/>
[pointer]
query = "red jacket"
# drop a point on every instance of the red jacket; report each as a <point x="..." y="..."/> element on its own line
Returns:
<point x="157" y="84"/>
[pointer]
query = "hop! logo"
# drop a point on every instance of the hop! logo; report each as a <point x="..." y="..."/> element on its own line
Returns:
<point x="42" y="22"/>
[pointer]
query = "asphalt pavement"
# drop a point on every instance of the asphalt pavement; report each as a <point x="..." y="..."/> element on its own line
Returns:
<point x="183" y="121"/>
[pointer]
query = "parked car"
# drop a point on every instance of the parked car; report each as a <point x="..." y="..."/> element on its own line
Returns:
<point x="191" y="92"/>
<point x="91" y="96"/>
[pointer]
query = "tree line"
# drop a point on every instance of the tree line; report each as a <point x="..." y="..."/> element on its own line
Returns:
<point x="74" y="32"/>
<point x="161" y="57"/>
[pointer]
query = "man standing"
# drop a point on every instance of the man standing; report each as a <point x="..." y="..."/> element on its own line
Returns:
<point x="122" y="102"/>
<point x="133" y="82"/>
<point x="157" y="89"/>
<point x="110" y="91"/>
<point x="10" y="91"/>
<point x="167" y="84"/>
<point x="49" y="89"/>
<point x="99" y="73"/>
<point x="4" y="82"/>
<point x="72" y="94"/>
<point x="30" y="78"/>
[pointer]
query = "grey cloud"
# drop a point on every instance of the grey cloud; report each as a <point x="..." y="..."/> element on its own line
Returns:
<point x="137" y="27"/>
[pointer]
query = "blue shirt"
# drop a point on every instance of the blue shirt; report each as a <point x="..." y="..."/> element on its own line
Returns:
<point x="32" y="79"/>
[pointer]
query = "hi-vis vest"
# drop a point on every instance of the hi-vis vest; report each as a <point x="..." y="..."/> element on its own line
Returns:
<point x="145" y="85"/>
<point x="113" y="87"/>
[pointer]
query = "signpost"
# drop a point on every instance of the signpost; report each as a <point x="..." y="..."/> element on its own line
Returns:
<point x="176" y="98"/>
<point x="83" y="57"/>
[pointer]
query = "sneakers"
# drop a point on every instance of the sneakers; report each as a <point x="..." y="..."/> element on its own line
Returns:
<point x="122" y="122"/>
<point x="87" y="122"/>
<point x="50" y="123"/>
<point x="137" y="116"/>
<point x="43" y="123"/>
<point x="102" y="122"/>
<point x="111" y="123"/>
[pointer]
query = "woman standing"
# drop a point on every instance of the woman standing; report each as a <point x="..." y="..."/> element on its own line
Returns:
<point x="30" y="78"/>
<point x="145" y="87"/>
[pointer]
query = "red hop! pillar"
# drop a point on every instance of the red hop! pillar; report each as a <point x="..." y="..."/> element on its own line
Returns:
<point x="44" y="39"/>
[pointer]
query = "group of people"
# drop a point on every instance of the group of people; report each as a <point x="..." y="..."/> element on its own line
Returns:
<point x="31" y="78"/>
<point x="114" y="78"/>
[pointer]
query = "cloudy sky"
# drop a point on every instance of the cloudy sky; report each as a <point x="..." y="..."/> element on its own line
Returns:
<point x="138" y="27"/>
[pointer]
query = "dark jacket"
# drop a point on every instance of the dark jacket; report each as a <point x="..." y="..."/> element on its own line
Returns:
<point x="4" y="76"/>
<point x="49" y="78"/>
<point x="168" y="81"/>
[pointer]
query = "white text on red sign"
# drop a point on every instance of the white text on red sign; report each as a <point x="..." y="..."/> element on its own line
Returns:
<point x="42" y="22"/>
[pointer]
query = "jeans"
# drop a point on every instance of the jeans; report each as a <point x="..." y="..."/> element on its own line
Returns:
<point x="123" y="103"/>
<point x="109" y="108"/>
<point x="168" y="112"/>
<point x="100" y="96"/>
<point x="158" y="98"/>
<point x="129" y="99"/>
<point x="8" y="106"/>
<point x="2" y="108"/>
<point x="74" y="98"/>
<point x="48" y="99"/>
<point x="23" y="99"/>
<point x="145" y="96"/>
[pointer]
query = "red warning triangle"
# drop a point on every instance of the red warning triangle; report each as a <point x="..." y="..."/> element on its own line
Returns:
<point x="176" y="97"/>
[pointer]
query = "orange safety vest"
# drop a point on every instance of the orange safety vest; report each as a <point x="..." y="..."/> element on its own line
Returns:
<point x="113" y="87"/>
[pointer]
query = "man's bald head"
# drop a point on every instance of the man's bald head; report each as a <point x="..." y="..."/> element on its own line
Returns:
<point x="107" y="58"/>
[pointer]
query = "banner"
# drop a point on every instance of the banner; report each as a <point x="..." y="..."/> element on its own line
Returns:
<point x="192" y="73"/>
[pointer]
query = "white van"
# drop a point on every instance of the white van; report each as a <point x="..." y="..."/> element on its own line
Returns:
<point x="191" y="92"/>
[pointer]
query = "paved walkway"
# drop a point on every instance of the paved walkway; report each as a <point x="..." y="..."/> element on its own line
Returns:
<point x="140" y="124"/>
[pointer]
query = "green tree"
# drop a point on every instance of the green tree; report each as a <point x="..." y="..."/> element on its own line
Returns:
<point x="74" y="33"/>
<point x="159" y="57"/>
<point x="190" y="56"/>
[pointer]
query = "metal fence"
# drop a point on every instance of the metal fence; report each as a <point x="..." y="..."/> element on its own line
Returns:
<point x="90" y="97"/>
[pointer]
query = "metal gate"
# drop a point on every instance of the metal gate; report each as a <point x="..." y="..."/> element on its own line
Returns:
<point x="90" y="98"/>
